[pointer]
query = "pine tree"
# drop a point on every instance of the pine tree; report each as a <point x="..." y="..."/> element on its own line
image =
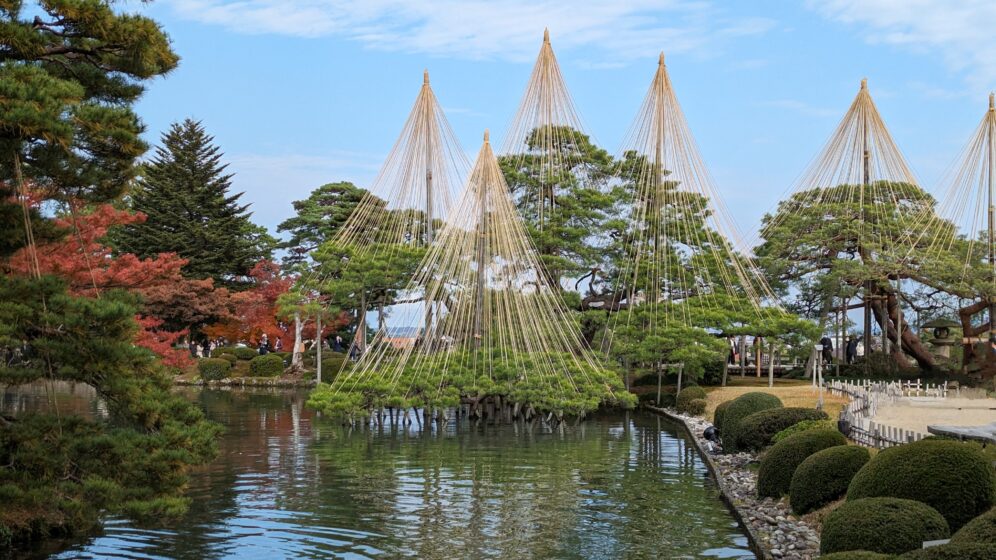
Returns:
<point x="184" y="192"/>
<point x="70" y="72"/>
<point x="318" y="218"/>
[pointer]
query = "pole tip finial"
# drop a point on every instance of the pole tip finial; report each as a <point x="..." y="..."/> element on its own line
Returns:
<point x="992" y="101"/>
<point x="546" y="34"/>
<point x="660" y="59"/>
<point x="864" y="83"/>
<point x="425" y="76"/>
<point x="487" y="136"/>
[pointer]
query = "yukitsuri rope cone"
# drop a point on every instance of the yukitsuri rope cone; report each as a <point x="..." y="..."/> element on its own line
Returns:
<point x="958" y="242"/>
<point x="502" y="345"/>
<point x="680" y="267"/>
<point x="416" y="186"/>
<point x="862" y="197"/>
<point x="545" y="137"/>
<point x="404" y="207"/>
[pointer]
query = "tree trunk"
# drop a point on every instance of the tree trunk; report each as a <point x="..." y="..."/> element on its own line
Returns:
<point x="912" y="344"/>
<point x="969" y="332"/>
<point x="297" y="358"/>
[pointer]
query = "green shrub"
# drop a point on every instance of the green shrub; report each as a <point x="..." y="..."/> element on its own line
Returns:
<point x="856" y="555"/>
<point x="980" y="530"/>
<point x="742" y="407"/>
<point x="824" y="476"/>
<point x="269" y="365"/>
<point x="886" y="525"/>
<point x="774" y="477"/>
<point x="686" y="396"/>
<point x="955" y="478"/>
<point x="226" y="356"/>
<point x="757" y="429"/>
<point x="802" y="427"/>
<point x="244" y="353"/>
<point x="213" y="369"/>
<point x="718" y="414"/>
<point x="695" y="407"/>
<point x="960" y="551"/>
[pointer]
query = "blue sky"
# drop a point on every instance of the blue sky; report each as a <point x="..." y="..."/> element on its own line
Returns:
<point x="302" y="92"/>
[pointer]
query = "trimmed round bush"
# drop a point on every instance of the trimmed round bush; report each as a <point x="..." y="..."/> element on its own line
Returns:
<point x="226" y="356"/>
<point x="856" y="555"/>
<point x="804" y="426"/>
<point x="269" y="365"/>
<point x="824" y="476"/>
<point x="244" y="353"/>
<point x="981" y="530"/>
<point x="757" y="429"/>
<point x="955" y="478"/>
<point x="774" y="477"/>
<point x="686" y="396"/>
<point x="742" y="407"/>
<point x="695" y="407"/>
<point x="886" y="525"/>
<point x="960" y="551"/>
<point x="213" y="369"/>
<point x="718" y="415"/>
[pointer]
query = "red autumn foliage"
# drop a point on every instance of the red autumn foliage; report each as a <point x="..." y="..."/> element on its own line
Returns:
<point x="256" y="309"/>
<point x="162" y="342"/>
<point x="89" y="266"/>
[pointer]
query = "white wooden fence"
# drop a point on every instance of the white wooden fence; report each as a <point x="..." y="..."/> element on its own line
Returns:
<point x="866" y="396"/>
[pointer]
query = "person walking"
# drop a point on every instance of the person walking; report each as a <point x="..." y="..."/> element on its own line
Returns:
<point x="279" y="345"/>
<point x="851" y="350"/>
<point x="206" y="348"/>
<point x="827" y="349"/>
<point x="264" y="345"/>
<point x="192" y="346"/>
<point x="337" y="346"/>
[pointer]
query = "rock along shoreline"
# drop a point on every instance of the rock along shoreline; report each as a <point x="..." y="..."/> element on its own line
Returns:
<point x="774" y="532"/>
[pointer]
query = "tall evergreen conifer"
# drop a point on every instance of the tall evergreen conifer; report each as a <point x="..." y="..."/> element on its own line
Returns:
<point x="184" y="192"/>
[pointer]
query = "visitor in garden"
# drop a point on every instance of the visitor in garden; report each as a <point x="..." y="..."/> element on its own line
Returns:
<point x="264" y="345"/>
<point x="279" y="345"/>
<point x="851" y="350"/>
<point x="734" y="356"/>
<point x="206" y="348"/>
<point x="192" y="346"/>
<point x="337" y="346"/>
<point x="827" y="349"/>
<point x="354" y="353"/>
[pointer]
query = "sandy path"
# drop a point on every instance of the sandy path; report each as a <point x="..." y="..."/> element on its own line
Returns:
<point x="950" y="412"/>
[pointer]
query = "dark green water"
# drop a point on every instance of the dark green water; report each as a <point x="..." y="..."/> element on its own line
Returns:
<point x="289" y="485"/>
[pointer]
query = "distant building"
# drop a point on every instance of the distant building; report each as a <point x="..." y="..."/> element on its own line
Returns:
<point x="401" y="337"/>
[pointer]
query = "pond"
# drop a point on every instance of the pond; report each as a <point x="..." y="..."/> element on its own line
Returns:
<point x="289" y="485"/>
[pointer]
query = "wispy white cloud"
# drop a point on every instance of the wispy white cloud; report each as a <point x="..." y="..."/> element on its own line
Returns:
<point x="487" y="29"/>
<point x="959" y="31"/>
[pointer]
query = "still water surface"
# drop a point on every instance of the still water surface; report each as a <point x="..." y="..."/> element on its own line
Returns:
<point x="289" y="485"/>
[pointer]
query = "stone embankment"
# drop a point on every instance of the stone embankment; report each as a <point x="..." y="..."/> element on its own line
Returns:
<point x="249" y="382"/>
<point x="775" y="532"/>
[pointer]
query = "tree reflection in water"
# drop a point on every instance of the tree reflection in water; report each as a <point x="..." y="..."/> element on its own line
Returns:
<point x="289" y="485"/>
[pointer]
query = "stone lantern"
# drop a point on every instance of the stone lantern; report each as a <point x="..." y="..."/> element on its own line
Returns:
<point x="942" y="341"/>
